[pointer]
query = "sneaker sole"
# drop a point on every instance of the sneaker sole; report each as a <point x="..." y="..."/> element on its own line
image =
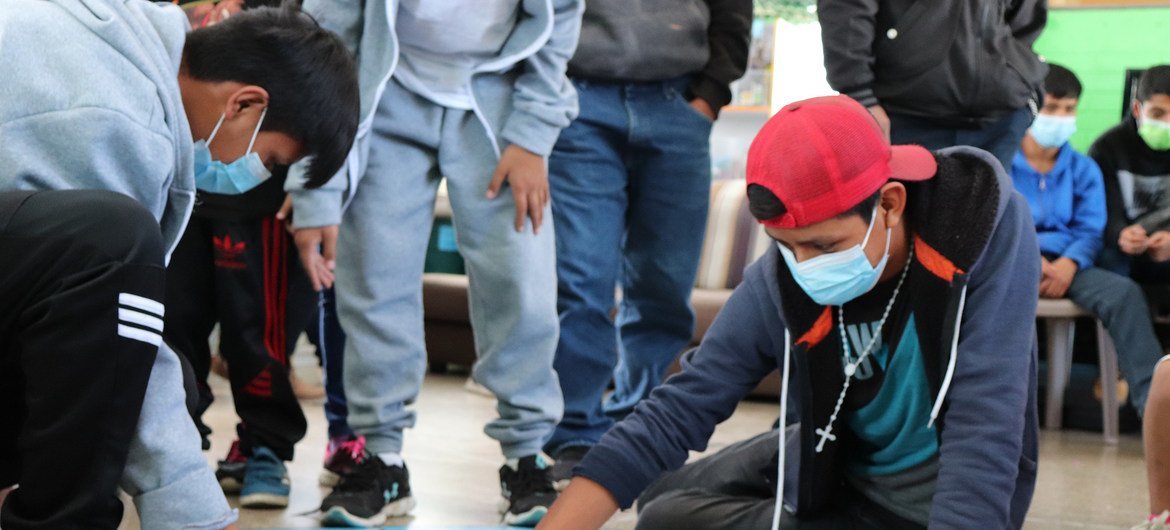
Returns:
<point x="328" y="478"/>
<point x="231" y="486"/>
<point x="400" y="507"/>
<point x="529" y="518"/>
<point x="340" y="517"/>
<point x="264" y="500"/>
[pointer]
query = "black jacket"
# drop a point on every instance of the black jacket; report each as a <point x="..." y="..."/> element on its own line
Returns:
<point x="1137" y="181"/>
<point x="655" y="40"/>
<point x="959" y="63"/>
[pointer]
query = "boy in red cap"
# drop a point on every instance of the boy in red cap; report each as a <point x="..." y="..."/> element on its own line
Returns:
<point x="902" y="295"/>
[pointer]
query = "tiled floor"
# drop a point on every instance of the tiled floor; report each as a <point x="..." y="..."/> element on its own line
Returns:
<point x="1082" y="484"/>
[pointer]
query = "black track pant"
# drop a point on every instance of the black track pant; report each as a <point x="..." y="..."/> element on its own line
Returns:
<point x="81" y="280"/>
<point x="246" y="276"/>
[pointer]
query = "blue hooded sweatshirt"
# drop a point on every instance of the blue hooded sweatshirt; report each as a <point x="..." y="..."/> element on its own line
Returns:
<point x="972" y="289"/>
<point x="1068" y="205"/>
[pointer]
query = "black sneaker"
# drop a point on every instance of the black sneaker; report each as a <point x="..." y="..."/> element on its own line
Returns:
<point x="528" y="491"/>
<point x="230" y="471"/>
<point x="369" y="494"/>
<point x="566" y="460"/>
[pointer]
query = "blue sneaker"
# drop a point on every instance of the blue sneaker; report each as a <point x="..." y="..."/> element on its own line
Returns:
<point x="265" y="481"/>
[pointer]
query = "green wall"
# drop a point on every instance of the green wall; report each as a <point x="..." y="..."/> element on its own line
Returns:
<point x="1099" y="45"/>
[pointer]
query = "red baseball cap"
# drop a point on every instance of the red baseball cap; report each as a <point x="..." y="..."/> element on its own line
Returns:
<point x="823" y="156"/>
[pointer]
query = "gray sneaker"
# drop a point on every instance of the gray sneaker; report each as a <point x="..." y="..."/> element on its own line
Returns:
<point x="566" y="460"/>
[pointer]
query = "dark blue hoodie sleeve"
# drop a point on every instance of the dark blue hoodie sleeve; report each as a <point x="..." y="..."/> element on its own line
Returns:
<point x="680" y="416"/>
<point x="986" y="415"/>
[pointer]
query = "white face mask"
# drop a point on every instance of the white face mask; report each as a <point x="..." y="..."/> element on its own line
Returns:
<point x="834" y="279"/>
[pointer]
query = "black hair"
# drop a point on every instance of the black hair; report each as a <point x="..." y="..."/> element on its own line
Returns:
<point x="864" y="208"/>
<point x="766" y="205"/>
<point x="1155" y="81"/>
<point x="309" y="74"/>
<point x="1061" y="82"/>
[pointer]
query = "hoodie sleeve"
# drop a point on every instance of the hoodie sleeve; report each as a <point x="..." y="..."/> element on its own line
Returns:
<point x="680" y="415"/>
<point x="544" y="101"/>
<point x="1027" y="19"/>
<point x="343" y="17"/>
<point x="111" y="152"/>
<point x="984" y="423"/>
<point x="729" y="36"/>
<point x="1088" y="220"/>
<point x="847" y="31"/>
<point x="318" y="207"/>
<point x="1116" y="218"/>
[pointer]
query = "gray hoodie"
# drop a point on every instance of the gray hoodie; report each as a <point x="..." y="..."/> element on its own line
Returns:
<point x="98" y="78"/>
<point x="522" y="93"/>
<point x="90" y="100"/>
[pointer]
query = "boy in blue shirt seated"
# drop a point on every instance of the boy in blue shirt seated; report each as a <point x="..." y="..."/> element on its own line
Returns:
<point x="1066" y="194"/>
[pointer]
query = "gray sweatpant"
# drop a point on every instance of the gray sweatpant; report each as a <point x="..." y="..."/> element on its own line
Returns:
<point x="380" y="255"/>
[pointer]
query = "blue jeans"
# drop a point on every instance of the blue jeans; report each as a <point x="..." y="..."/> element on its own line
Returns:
<point x="1121" y="306"/>
<point x="326" y="334"/>
<point x="1001" y="138"/>
<point x="630" y="182"/>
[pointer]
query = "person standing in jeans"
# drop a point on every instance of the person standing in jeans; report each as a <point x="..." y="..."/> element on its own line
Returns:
<point x="935" y="75"/>
<point x="630" y="179"/>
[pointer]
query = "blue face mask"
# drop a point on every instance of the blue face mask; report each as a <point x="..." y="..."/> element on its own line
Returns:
<point x="833" y="279"/>
<point x="235" y="178"/>
<point x="1052" y="131"/>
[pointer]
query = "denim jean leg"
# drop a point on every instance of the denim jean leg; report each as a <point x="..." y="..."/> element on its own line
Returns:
<point x="331" y="343"/>
<point x="588" y="180"/>
<point x="1001" y="138"/>
<point x="910" y="130"/>
<point x="669" y="194"/>
<point x="1121" y="306"/>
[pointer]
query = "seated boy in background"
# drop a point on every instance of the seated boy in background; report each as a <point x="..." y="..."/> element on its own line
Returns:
<point x="1067" y="198"/>
<point x="1134" y="158"/>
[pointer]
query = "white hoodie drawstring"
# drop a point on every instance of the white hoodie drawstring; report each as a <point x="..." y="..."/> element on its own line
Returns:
<point x="946" y="385"/>
<point x="784" y="369"/>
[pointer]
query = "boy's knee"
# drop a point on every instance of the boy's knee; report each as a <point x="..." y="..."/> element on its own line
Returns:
<point x="662" y="512"/>
<point x="115" y="225"/>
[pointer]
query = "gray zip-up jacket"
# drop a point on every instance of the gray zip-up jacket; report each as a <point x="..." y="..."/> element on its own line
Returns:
<point x="523" y="92"/>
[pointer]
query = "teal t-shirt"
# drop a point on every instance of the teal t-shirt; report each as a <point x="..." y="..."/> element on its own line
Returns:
<point x="893" y="455"/>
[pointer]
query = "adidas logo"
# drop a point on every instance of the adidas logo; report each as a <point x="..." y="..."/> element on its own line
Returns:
<point x="227" y="246"/>
<point x="140" y="318"/>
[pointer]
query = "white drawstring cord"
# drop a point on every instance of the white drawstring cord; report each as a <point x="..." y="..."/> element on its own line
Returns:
<point x="946" y="386"/>
<point x="784" y="369"/>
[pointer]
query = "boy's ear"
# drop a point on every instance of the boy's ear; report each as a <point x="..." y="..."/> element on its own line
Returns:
<point x="246" y="96"/>
<point x="1137" y="109"/>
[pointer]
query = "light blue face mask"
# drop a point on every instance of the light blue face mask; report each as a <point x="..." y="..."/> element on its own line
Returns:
<point x="833" y="279"/>
<point x="235" y="178"/>
<point x="1052" y="131"/>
